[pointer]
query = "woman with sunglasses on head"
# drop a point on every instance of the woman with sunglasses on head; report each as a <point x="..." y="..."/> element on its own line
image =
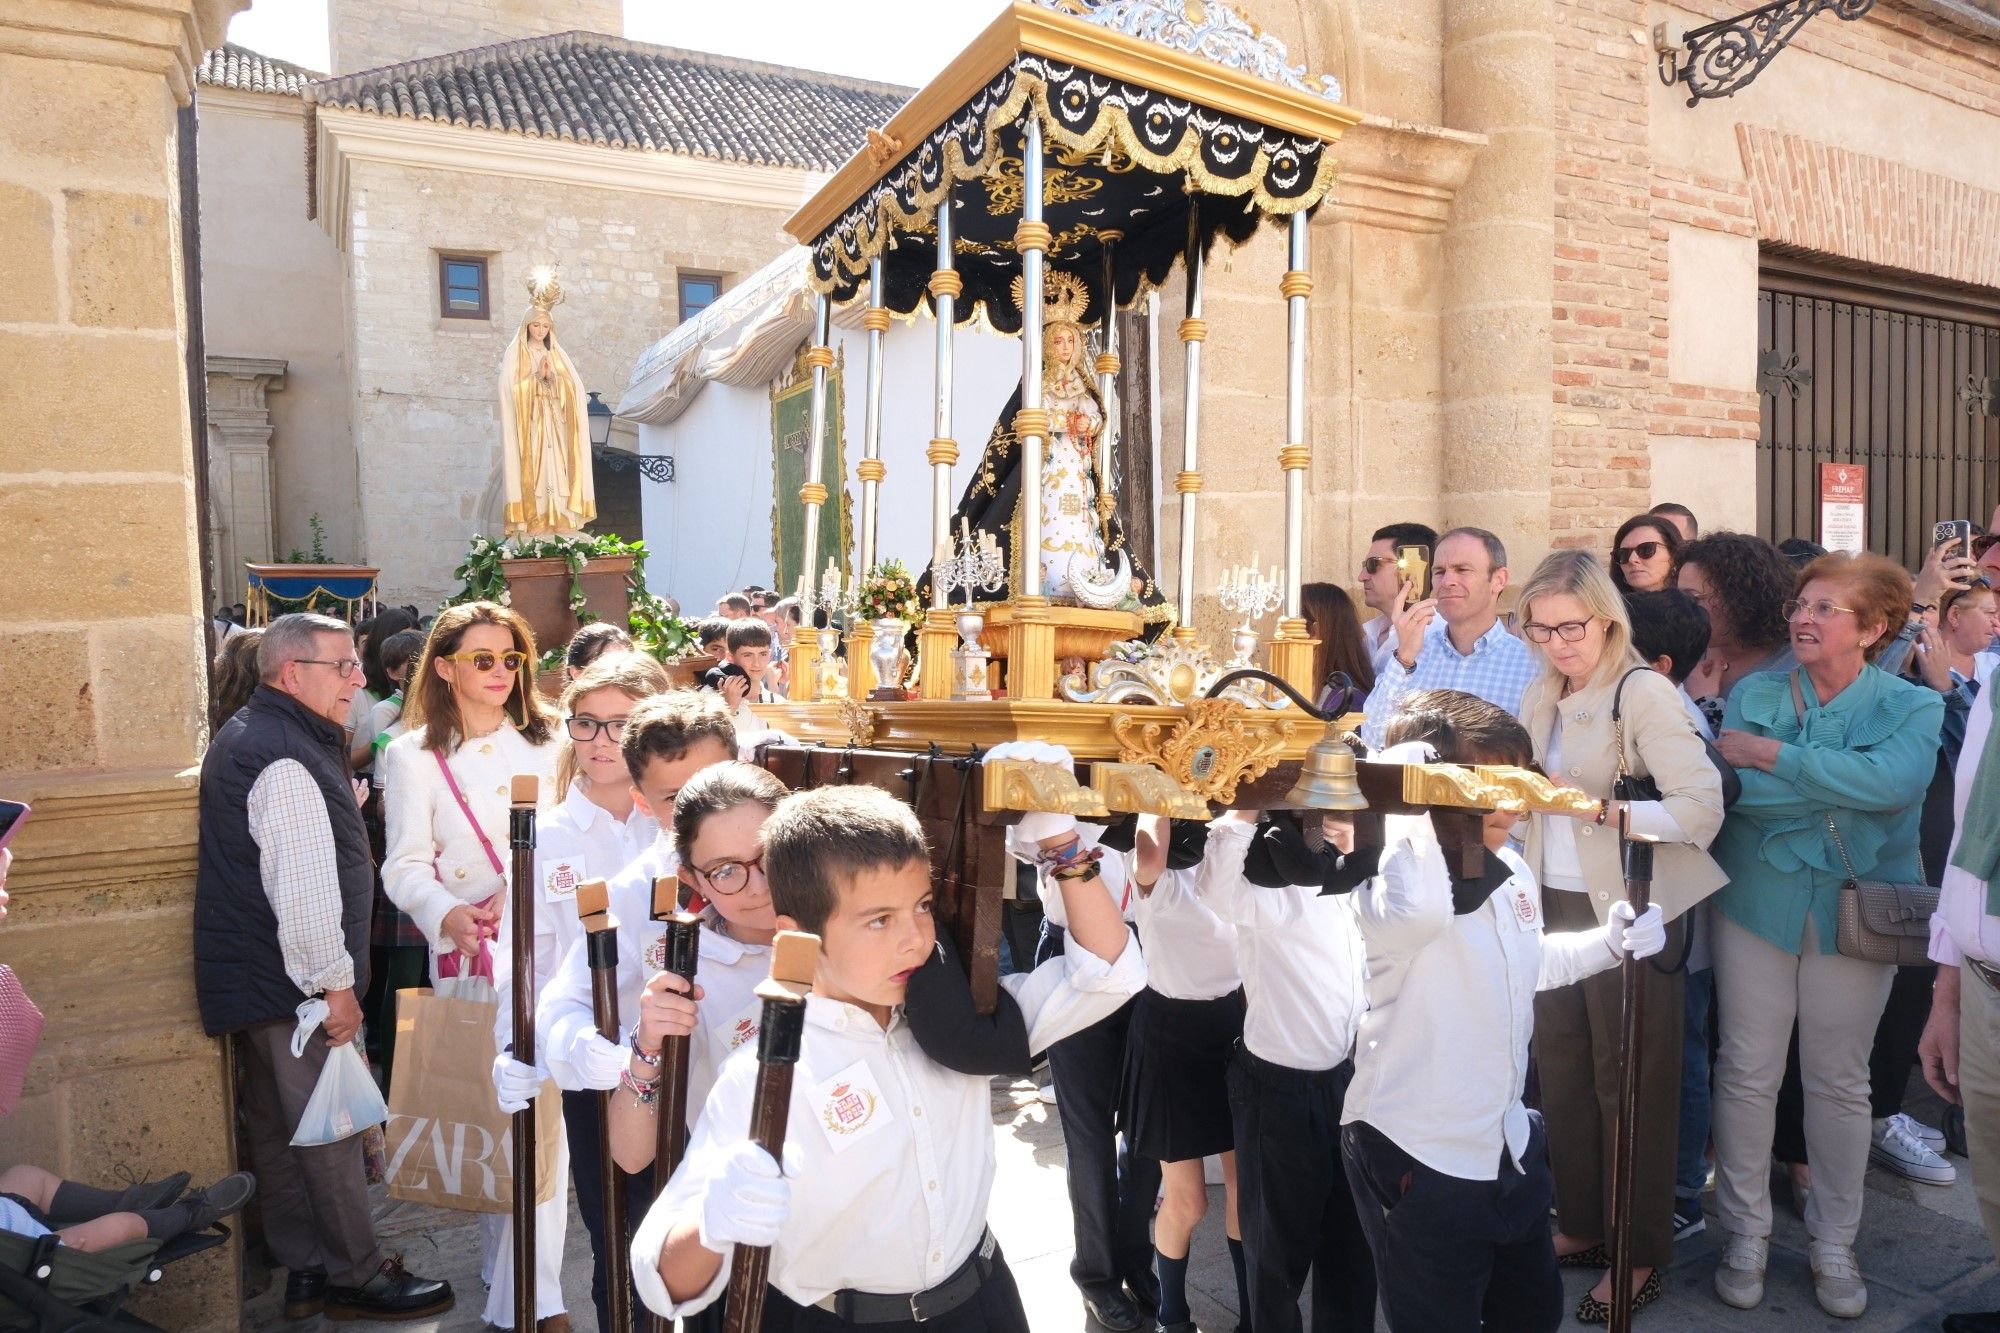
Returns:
<point x="475" y="722"/>
<point x="1645" y="554"/>
<point x="1577" y="623"/>
<point x="1834" y="755"/>
<point x="1959" y="648"/>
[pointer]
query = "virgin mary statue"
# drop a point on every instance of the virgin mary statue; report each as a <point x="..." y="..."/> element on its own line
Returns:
<point x="544" y="435"/>
<point x="1083" y="560"/>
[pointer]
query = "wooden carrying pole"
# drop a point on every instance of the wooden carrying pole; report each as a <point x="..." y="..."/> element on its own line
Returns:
<point x="1624" y="1146"/>
<point x="794" y="955"/>
<point x="680" y="953"/>
<point x="593" y="906"/>
<point x="527" y="791"/>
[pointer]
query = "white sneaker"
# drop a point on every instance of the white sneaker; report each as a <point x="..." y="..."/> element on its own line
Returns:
<point x="1837" y="1279"/>
<point x="1739" y="1278"/>
<point x="1046" y="1094"/>
<point x="1930" y="1135"/>
<point x="1894" y="1144"/>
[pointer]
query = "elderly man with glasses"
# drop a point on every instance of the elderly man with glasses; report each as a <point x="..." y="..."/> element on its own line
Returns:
<point x="283" y="891"/>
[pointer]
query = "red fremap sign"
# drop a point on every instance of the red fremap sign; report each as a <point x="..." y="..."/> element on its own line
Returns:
<point x="1843" y="507"/>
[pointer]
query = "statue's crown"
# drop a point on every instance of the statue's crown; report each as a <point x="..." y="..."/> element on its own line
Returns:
<point x="545" y="288"/>
<point x="1064" y="298"/>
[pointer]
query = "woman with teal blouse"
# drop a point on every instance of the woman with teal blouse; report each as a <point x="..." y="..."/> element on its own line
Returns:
<point x="1837" y="738"/>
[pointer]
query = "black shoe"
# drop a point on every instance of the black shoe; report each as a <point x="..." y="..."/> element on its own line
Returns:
<point x="1689" y="1220"/>
<point x="305" y="1293"/>
<point x="1144" y="1289"/>
<point x="209" y="1206"/>
<point x="1178" y="1326"/>
<point x="392" y="1294"/>
<point x="1988" y="1322"/>
<point x="1113" y="1312"/>
<point x="150" y="1194"/>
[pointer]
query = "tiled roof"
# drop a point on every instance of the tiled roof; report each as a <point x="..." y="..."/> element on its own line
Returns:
<point x="588" y="88"/>
<point x="240" y="68"/>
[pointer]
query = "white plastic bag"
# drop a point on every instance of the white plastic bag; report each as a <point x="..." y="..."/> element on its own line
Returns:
<point x="345" y="1101"/>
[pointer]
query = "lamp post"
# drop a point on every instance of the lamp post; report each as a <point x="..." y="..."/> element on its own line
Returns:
<point x="600" y="421"/>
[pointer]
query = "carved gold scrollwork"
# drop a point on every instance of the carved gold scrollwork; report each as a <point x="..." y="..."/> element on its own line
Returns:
<point x="1144" y="790"/>
<point x="1454" y="785"/>
<point x="1210" y="750"/>
<point x="1023" y="784"/>
<point x="859" y="721"/>
<point x="1535" y="792"/>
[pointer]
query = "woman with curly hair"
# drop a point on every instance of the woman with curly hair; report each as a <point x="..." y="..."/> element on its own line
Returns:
<point x="1742" y="582"/>
<point x="1645" y="553"/>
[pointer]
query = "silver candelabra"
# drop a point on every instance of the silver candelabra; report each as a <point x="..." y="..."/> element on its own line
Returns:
<point x="1253" y="596"/>
<point x="970" y="566"/>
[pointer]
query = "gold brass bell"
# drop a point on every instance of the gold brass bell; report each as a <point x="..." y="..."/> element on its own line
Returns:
<point x="1326" y="779"/>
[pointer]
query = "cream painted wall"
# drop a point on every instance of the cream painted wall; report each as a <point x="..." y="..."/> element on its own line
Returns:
<point x="271" y="287"/>
<point x="1711" y="308"/>
<point x="425" y="388"/>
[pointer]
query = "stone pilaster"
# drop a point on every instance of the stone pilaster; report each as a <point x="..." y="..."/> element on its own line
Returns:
<point x="101" y="638"/>
<point x="239" y="467"/>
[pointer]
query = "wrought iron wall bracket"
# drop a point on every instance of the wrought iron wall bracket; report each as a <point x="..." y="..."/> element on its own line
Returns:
<point x="653" y="467"/>
<point x="1721" y="59"/>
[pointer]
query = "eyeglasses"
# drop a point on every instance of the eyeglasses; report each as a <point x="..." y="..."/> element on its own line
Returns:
<point x="590" y="728"/>
<point x="484" y="660"/>
<point x="1375" y="562"/>
<point x="1813" y="612"/>
<point x="1643" y="551"/>
<point x="730" y="877"/>
<point x="1570" y="631"/>
<point x="344" y="667"/>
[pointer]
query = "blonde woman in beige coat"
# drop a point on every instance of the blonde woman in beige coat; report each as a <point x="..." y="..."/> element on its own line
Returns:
<point x="1574" y="619"/>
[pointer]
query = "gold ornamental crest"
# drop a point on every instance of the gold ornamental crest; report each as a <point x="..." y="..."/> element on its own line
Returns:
<point x="1212" y="749"/>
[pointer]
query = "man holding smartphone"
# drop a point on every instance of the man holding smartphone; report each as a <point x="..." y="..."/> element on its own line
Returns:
<point x="1382" y="585"/>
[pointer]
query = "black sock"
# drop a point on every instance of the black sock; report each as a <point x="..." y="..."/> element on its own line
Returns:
<point x="72" y="1203"/>
<point x="1242" y="1285"/>
<point x="166" y="1223"/>
<point x="1172" y="1274"/>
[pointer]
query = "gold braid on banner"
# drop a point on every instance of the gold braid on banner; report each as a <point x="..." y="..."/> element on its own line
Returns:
<point x="879" y="214"/>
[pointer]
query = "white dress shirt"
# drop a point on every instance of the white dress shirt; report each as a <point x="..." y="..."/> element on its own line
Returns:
<point x="288" y="821"/>
<point x="576" y="841"/>
<point x="895" y="1152"/>
<point x="1114" y="872"/>
<point x="727" y="972"/>
<point x="1300" y="954"/>
<point x="1443" y="1051"/>
<point x="1961" y="928"/>
<point x="434" y="860"/>
<point x="1190" y="951"/>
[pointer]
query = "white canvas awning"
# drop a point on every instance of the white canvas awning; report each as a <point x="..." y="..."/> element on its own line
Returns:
<point x="748" y="336"/>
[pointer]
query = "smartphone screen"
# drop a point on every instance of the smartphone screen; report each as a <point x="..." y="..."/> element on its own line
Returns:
<point x="12" y="815"/>
<point x="1413" y="565"/>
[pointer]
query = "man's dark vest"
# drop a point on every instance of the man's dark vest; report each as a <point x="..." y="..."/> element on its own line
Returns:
<point x="239" y="971"/>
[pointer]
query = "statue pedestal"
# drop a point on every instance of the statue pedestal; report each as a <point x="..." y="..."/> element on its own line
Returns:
<point x="802" y="667"/>
<point x="1291" y="658"/>
<point x="860" y="674"/>
<point x="936" y="640"/>
<point x="539" y="589"/>
<point x="1026" y="629"/>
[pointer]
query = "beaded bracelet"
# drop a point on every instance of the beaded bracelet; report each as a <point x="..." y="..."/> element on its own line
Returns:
<point x="1056" y="856"/>
<point x="1084" y="870"/>
<point x="1069" y="858"/>
<point x="650" y="1059"/>
<point x="646" y="1090"/>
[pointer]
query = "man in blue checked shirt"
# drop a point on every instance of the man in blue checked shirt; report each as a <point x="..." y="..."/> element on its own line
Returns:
<point x="1453" y="639"/>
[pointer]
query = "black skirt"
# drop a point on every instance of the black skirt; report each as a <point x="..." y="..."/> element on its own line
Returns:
<point x="1172" y="1106"/>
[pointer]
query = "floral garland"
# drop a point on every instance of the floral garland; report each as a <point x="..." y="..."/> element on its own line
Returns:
<point x="654" y="626"/>
<point x="888" y="592"/>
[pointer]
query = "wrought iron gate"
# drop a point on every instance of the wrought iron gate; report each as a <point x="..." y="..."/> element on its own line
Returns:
<point x="1901" y="378"/>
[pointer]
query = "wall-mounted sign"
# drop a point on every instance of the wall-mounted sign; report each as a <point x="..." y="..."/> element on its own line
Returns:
<point x="1843" y="507"/>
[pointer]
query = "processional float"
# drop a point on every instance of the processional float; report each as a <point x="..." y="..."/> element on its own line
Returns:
<point x="1080" y="149"/>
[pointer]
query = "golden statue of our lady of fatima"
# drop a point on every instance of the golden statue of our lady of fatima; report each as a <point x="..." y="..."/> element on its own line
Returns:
<point x="544" y="432"/>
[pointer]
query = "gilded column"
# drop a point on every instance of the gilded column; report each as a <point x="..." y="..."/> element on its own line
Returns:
<point x="1292" y="649"/>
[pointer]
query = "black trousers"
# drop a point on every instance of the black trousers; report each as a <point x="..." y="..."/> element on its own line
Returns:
<point x="996" y="1309"/>
<point x="1111" y="1192"/>
<point x="1452" y="1255"/>
<point x="1293" y="1198"/>
<point x="586" y="1168"/>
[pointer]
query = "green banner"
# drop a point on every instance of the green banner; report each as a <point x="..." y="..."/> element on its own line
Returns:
<point x="791" y="424"/>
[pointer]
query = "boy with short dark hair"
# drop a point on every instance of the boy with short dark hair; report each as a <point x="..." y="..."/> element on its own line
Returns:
<point x="1449" y="1170"/>
<point x="883" y="1221"/>
<point x="739" y="676"/>
<point x="713" y="635"/>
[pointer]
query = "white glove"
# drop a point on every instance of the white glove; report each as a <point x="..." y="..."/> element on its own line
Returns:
<point x="745" y="1200"/>
<point x="599" y="1062"/>
<point x="1037" y="826"/>
<point x="1639" y="937"/>
<point x="517" y="1084"/>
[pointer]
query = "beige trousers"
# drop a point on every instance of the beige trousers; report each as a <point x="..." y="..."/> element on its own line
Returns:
<point x="1979" y="1086"/>
<point x="1759" y="990"/>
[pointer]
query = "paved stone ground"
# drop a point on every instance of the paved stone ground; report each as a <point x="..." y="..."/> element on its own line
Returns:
<point x="1922" y="1250"/>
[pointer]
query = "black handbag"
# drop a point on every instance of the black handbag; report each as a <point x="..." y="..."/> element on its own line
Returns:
<point x="1637" y="787"/>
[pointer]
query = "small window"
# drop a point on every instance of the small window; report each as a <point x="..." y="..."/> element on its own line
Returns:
<point x="698" y="292"/>
<point x="462" y="287"/>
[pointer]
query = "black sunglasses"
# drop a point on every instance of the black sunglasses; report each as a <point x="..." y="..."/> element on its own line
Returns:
<point x="1643" y="551"/>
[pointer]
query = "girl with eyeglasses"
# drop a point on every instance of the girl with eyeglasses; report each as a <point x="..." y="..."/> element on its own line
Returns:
<point x="1645" y="554"/>
<point x="475" y="722"/>
<point x="1577" y="624"/>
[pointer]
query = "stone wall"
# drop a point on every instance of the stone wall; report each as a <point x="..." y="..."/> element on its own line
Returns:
<point x="367" y="34"/>
<point x="100" y="623"/>
<point x="426" y="388"/>
<point x="271" y="289"/>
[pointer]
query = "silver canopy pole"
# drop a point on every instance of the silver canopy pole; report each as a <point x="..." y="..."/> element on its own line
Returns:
<point x="871" y="469"/>
<point x="1032" y="425"/>
<point x="1192" y="331"/>
<point x="813" y="493"/>
<point x="1297" y="454"/>
<point x="943" y="452"/>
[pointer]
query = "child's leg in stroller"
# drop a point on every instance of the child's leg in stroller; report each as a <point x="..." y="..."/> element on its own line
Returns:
<point x="32" y="1183"/>
<point x="101" y="1233"/>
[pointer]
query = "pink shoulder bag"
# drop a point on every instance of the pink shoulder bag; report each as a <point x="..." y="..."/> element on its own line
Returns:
<point x="450" y="964"/>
